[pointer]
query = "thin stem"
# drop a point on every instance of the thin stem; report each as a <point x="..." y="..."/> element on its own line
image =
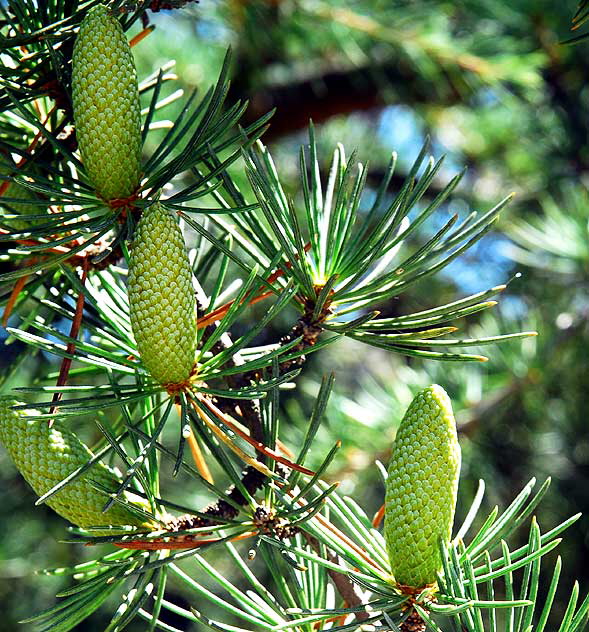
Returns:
<point x="66" y="363"/>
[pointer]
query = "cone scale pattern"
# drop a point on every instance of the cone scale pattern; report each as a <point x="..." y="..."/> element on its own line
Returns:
<point x="106" y="105"/>
<point x="161" y="298"/>
<point x="45" y="456"/>
<point x="421" y="488"/>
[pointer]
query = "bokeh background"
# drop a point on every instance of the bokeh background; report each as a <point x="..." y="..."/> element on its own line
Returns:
<point x="495" y="89"/>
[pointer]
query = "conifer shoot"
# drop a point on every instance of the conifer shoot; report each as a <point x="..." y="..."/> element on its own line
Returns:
<point x="25" y="204"/>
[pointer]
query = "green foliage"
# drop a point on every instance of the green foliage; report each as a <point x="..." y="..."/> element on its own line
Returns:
<point x="222" y="426"/>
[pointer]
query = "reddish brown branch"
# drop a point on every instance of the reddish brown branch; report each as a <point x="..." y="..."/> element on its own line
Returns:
<point x="66" y="363"/>
<point x="339" y="92"/>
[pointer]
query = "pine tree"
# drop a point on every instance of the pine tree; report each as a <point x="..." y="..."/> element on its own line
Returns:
<point x="142" y="267"/>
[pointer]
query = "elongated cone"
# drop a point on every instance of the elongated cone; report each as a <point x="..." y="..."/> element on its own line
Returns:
<point x="106" y="105"/>
<point x="45" y="456"/>
<point x="421" y="488"/>
<point x="161" y="298"/>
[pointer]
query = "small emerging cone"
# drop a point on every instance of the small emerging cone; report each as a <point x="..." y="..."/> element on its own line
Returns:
<point x="161" y="298"/>
<point x="105" y="97"/>
<point x="421" y="488"/>
<point x="45" y="456"/>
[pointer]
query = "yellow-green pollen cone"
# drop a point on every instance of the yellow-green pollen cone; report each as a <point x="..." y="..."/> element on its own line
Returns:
<point x="161" y="298"/>
<point x="45" y="456"/>
<point x="421" y="488"/>
<point x="105" y="97"/>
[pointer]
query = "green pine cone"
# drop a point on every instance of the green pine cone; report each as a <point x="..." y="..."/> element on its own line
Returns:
<point x="106" y="105"/>
<point x="45" y="456"/>
<point x="161" y="298"/>
<point x="421" y="488"/>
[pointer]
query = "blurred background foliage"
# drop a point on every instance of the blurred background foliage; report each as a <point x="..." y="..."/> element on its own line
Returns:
<point x="492" y="85"/>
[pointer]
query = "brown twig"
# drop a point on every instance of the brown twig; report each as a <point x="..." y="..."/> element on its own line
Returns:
<point x="141" y="35"/>
<point x="337" y="92"/>
<point x="348" y="590"/>
<point x="216" y="513"/>
<point x="413" y="623"/>
<point x="260" y="447"/>
<point x="66" y="363"/>
<point x="218" y="313"/>
<point x="14" y="294"/>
